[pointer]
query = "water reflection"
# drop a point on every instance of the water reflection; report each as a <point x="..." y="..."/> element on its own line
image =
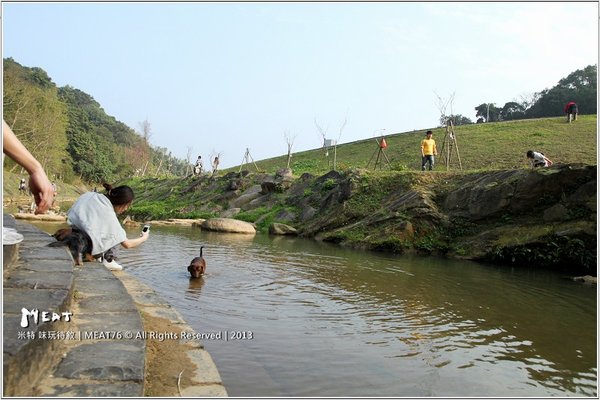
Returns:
<point x="328" y="321"/>
<point x="195" y="286"/>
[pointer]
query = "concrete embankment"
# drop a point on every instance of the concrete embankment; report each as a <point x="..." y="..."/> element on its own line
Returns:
<point x="90" y="335"/>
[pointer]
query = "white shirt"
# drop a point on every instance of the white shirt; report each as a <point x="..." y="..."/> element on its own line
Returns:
<point x="94" y="214"/>
<point x="538" y="160"/>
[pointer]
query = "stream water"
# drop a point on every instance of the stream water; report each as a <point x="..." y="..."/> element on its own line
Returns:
<point x="305" y="318"/>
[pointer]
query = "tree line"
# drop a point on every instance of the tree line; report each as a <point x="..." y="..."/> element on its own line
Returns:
<point x="73" y="137"/>
<point x="579" y="86"/>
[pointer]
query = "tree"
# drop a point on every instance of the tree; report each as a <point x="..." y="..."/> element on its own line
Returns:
<point x="69" y="132"/>
<point x="580" y="86"/>
<point x="36" y="115"/>
<point x="342" y="126"/>
<point x="323" y="136"/>
<point x="289" y="139"/>
<point x="457" y="119"/>
<point x="511" y="111"/>
<point x="188" y="160"/>
<point x="442" y="106"/>
<point x="528" y="100"/>
<point x="146" y="130"/>
<point x="488" y="111"/>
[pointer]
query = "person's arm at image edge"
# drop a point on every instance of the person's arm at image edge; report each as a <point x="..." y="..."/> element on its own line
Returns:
<point x="40" y="185"/>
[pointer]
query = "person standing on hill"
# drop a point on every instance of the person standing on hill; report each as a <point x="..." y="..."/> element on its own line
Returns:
<point x="571" y="111"/>
<point x="428" y="151"/>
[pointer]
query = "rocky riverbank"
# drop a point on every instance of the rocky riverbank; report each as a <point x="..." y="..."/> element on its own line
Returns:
<point x="543" y="217"/>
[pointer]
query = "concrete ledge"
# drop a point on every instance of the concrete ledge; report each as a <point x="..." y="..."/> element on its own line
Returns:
<point x="41" y="279"/>
<point x="98" y="362"/>
<point x="206" y="378"/>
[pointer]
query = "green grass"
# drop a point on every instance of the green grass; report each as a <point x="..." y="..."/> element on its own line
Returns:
<point x="489" y="146"/>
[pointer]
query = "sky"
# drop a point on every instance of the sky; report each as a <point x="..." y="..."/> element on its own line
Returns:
<point x="223" y="77"/>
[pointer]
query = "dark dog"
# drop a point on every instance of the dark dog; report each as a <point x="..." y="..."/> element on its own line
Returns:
<point x="197" y="266"/>
<point x="78" y="242"/>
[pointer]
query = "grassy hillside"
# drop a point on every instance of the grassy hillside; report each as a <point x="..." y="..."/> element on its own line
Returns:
<point x="490" y="146"/>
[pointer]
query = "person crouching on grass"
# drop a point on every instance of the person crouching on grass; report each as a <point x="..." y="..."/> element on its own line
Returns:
<point x="538" y="159"/>
<point x="96" y="214"/>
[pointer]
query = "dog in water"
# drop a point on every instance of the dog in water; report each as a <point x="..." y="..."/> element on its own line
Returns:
<point x="78" y="242"/>
<point x="197" y="266"/>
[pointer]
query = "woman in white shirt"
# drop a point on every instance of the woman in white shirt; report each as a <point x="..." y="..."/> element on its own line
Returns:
<point x="96" y="214"/>
<point x="538" y="159"/>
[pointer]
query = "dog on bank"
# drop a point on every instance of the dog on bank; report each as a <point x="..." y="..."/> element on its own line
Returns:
<point x="78" y="242"/>
<point x="197" y="266"/>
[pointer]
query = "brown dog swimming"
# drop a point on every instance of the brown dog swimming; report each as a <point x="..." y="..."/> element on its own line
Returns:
<point x="78" y="242"/>
<point x="197" y="266"/>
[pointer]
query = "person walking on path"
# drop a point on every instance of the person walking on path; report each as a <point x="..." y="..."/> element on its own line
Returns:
<point x="428" y="151"/>
<point x="39" y="184"/>
<point x="571" y="111"/>
<point x="538" y="159"/>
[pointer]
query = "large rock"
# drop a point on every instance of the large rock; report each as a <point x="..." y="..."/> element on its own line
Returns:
<point x="249" y="195"/>
<point x="483" y="194"/>
<point x="41" y="217"/>
<point x="516" y="191"/>
<point x="176" y="221"/>
<point x="228" y="225"/>
<point x="282" y="229"/>
<point x="284" y="173"/>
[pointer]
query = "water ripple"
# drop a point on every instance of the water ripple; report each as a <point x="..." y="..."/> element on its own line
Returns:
<point x="443" y="326"/>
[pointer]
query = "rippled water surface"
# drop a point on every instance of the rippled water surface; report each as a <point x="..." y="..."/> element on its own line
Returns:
<point x="327" y="321"/>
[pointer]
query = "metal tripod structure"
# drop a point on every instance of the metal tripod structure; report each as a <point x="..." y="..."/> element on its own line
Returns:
<point x="247" y="159"/>
<point x="449" y="146"/>
<point x="380" y="151"/>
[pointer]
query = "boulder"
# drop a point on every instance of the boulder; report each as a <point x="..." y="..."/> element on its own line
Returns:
<point x="228" y="225"/>
<point x="232" y="212"/>
<point x="235" y="184"/>
<point x="586" y="279"/>
<point x="405" y="230"/>
<point x="308" y="213"/>
<point x="175" y="222"/>
<point x="282" y="229"/>
<point x="285" y="215"/>
<point x="483" y="195"/>
<point x="249" y="195"/>
<point x="306" y="177"/>
<point x="40" y="217"/>
<point x="284" y="173"/>
<point x="557" y="212"/>
<point x="268" y="186"/>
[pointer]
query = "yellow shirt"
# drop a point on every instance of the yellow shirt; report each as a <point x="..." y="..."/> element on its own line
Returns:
<point x="428" y="147"/>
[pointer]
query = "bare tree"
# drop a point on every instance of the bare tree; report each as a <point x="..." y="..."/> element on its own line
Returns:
<point x="143" y="151"/>
<point x="163" y="153"/>
<point x="188" y="159"/>
<point x="528" y="99"/>
<point x="145" y="128"/>
<point x="323" y="137"/>
<point x="442" y="106"/>
<point x="289" y="139"/>
<point x="342" y="126"/>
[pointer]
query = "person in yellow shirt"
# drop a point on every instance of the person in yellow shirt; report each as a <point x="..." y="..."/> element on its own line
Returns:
<point x="428" y="150"/>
